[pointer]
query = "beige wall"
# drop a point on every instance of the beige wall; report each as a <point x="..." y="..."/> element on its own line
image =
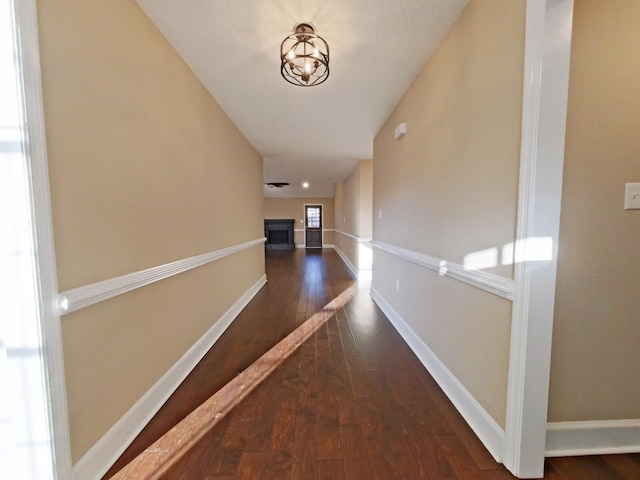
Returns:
<point x="287" y="208"/>
<point x="144" y="167"/>
<point x="345" y="205"/>
<point x="353" y="206"/>
<point x="596" y="338"/>
<point x="366" y="198"/>
<point x="449" y="188"/>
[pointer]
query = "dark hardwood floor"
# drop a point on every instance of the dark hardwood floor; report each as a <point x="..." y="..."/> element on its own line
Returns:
<point x="352" y="402"/>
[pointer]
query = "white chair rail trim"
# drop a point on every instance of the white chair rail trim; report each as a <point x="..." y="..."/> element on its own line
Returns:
<point x="495" y="284"/>
<point x="355" y="237"/>
<point x="81" y="297"/>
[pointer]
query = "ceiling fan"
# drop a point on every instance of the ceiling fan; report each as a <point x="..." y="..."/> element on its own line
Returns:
<point x="277" y="184"/>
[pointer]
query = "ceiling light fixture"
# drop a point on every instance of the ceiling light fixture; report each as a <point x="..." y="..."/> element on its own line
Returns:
<point x="305" y="185"/>
<point x="304" y="57"/>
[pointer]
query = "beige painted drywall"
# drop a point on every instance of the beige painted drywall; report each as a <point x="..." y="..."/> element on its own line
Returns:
<point x="596" y="338"/>
<point x="116" y="350"/>
<point x="344" y="244"/>
<point x="449" y="187"/>
<point x="145" y="169"/>
<point x="287" y="208"/>
<point x="353" y="207"/>
<point x="366" y="198"/>
<point x="468" y="329"/>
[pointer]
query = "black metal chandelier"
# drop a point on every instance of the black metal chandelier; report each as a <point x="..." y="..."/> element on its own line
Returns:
<point x="304" y="57"/>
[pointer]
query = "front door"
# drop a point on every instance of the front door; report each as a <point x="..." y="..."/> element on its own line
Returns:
<point x="313" y="226"/>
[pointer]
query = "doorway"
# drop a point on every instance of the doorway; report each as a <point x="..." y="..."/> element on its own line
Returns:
<point x="34" y="436"/>
<point x="313" y="226"/>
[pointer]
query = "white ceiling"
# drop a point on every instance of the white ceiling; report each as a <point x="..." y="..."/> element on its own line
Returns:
<point x="315" y="134"/>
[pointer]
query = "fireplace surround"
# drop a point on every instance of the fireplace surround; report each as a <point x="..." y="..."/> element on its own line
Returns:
<point x="279" y="234"/>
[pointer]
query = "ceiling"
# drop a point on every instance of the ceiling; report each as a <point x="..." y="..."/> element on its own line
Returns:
<point x="315" y="134"/>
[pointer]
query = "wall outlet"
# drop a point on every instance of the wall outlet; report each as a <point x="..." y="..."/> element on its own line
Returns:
<point x="380" y="214"/>
<point x="397" y="285"/>
<point x="632" y="196"/>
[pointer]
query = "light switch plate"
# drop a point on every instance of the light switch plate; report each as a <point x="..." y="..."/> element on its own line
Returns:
<point x="632" y="196"/>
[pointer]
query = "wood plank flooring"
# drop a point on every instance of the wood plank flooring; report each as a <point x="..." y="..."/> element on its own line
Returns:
<point x="352" y="402"/>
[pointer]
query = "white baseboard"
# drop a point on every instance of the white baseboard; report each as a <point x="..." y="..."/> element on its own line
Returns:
<point x="328" y="245"/>
<point x="600" y="437"/>
<point x="97" y="461"/>
<point x="347" y="262"/>
<point x="484" y="426"/>
<point x="300" y="245"/>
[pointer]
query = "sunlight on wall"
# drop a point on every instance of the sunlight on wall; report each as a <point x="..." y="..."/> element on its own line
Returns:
<point x="365" y="256"/>
<point x="25" y="448"/>
<point x="482" y="259"/>
<point x="534" y="249"/>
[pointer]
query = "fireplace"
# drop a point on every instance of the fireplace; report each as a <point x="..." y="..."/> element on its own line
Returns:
<point x="279" y="234"/>
<point x="277" y="237"/>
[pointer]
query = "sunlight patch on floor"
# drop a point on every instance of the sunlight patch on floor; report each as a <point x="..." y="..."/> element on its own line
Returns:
<point x="158" y="459"/>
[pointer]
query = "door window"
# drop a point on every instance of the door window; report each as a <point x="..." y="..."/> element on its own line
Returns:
<point x="313" y="215"/>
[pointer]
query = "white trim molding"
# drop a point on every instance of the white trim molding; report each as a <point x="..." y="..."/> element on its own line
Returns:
<point x="495" y="284"/>
<point x="601" y="437"/>
<point x="544" y="111"/>
<point x="352" y="268"/>
<point x="26" y="21"/>
<point x="484" y="426"/>
<point x="355" y="237"/>
<point x="97" y="461"/>
<point x="81" y="297"/>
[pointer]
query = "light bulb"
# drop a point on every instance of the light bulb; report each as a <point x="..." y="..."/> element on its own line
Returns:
<point x="291" y="54"/>
<point x="307" y="67"/>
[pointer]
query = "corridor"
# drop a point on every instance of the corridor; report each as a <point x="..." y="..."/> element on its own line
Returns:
<point x="352" y="402"/>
